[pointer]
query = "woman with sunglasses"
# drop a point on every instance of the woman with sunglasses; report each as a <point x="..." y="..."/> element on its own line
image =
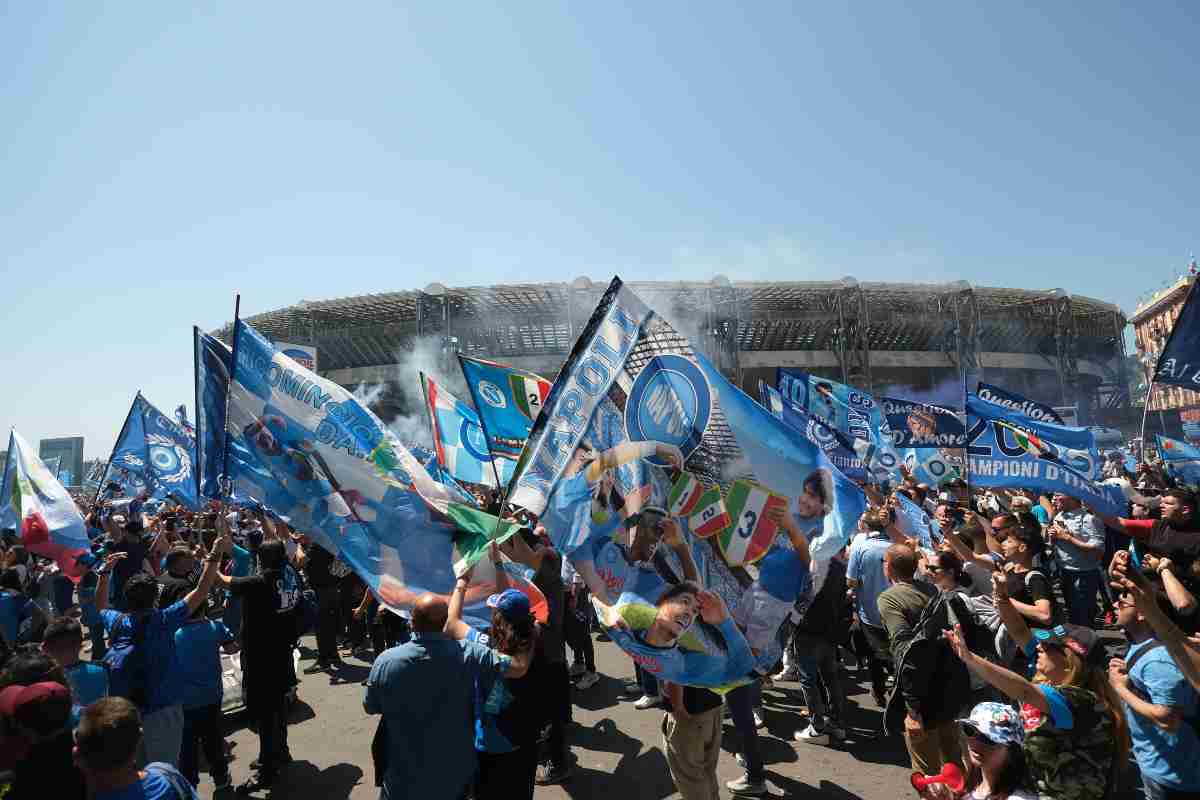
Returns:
<point x="1075" y="733"/>
<point x="996" y="768"/>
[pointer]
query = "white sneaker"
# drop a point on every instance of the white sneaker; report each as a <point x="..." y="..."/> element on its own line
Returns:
<point x="745" y="787"/>
<point x="786" y="674"/>
<point x="646" y="701"/>
<point x="758" y="720"/>
<point x="577" y="670"/>
<point x="810" y="735"/>
<point x="587" y="680"/>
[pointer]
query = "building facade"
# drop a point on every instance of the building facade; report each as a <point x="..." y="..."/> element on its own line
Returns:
<point x="1175" y="409"/>
<point x="68" y="451"/>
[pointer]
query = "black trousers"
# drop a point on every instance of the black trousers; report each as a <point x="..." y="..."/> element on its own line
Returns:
<point x="270" y="712"/>
<point x="877" y="637"/>
<point x="558" y="687"/>
<point x="202" y="729"/>
<point x="507" y="775"/>
<point x="327" y="622"/>
<point x="577" y="631"/>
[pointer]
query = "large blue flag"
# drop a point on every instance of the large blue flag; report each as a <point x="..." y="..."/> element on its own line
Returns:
<point x="1075" y="447"/>
<point x="1003" y="454"/>
<point x="923" y="425"/>
<point x="1018" y="404"/>
<point x="459" y="441"/>
<point x="307" y="448"/>
<point x="836" y="448"/>
<point x="1181" y="459"/>
<point x="1179" y="362"/>
<point x="153" y="457"/>
<point x="914" y="522"/>
<point x="507" y="400"/>
<point x="213" y="363"/>
<point x="634" y="390"/>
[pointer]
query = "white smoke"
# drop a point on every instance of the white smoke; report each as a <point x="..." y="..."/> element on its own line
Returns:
<point x="430" y="355"/>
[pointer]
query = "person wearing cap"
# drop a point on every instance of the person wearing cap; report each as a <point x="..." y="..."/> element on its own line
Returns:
<point x="107" y="743"/>
<point x="424" y="690"/>
<point x="510" y="712"/>
<point x="177" y="581"/>
<point x="1160" y="706"/>
<point x="996" y="767"/>
<point x="40" y="713"/>
<point x="1076" y="738"/>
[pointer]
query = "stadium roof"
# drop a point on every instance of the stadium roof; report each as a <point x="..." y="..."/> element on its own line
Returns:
<point x="543" y="318"/>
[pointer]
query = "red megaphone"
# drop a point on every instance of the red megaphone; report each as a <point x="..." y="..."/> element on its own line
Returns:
<point x="950" y="775"/>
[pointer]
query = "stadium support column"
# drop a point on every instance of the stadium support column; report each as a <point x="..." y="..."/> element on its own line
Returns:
<point x="723" y="322"/>
<point x="1064" y="346"/>
<point x="853" y="340"/>
<point x="966" y="329"/>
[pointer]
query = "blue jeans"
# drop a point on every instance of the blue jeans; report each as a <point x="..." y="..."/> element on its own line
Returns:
<point x="1079" y="591"/>
<point x="741" y="702"/>
<point x="816" y="660"/>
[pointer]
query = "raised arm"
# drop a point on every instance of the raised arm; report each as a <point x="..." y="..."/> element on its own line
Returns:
<point x="455" y="628"/>
<point x="1014" y="623"/>
<point x="1184" y="651"/>
<point x="674" y="539"/>
<point x="629" y="451"/>
<point x="104" y="573"/>
<point x="1007" y="681"/>
<point x="212" y="565"/>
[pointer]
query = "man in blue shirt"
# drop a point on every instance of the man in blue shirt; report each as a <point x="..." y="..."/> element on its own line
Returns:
<point x="87" y="680"/>
<point x="198" y="646"/>
<point x="425" y="690"/>
<point x="153" y="630"/>
<point x="864" y="574"/>
<point x="15" y="606"/>
<point x="106" y="748"/>
<point x="1160" y="706"/>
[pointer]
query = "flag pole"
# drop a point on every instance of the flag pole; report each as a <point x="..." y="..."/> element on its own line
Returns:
<point x="226" y="484"/>
<point x="196" y="400"/>
<point x="501" y="490"/>
<point x="116" y="444"/>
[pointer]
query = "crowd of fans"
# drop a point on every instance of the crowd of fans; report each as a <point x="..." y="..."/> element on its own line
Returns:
<point x="1035" y="650"/>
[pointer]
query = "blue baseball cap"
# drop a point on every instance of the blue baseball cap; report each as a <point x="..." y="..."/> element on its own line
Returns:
<point x="511" y="604"/>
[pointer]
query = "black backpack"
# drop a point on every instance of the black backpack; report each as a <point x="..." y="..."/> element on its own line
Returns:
<point x="128" y="668"/>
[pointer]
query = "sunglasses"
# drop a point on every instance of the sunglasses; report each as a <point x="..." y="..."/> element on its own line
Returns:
<point x="973" y="733"/>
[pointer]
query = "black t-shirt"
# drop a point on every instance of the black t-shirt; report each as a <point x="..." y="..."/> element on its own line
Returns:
<point x="135" y="554"/>
<point x="174" y="587"/>
<point x="697" y="700"/>
<point x="268" y="629"/>
<point x="1030" y="587"/>
<point x="316" y="567"/>
<point x="48" y="771"/>
<point x="548" y="580"/>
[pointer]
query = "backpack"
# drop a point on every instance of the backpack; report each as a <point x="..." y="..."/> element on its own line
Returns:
<point x="128" y="668"/>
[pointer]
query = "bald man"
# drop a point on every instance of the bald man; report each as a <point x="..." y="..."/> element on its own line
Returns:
<point x="424" y="689"/>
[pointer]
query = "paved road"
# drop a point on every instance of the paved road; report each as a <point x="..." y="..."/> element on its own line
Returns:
<point x="618" y="749"/>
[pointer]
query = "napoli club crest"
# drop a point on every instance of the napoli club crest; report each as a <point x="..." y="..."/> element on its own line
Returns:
<point x="670" y="402"/>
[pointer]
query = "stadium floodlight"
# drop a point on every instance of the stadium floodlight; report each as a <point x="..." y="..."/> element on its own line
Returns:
<point x="435" y="290"/>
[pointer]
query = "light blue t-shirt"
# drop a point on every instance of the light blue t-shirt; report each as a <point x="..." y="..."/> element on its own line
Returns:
<point x="198" y="661"/>
<point x="866" y="566"/>
<point x="15" y="608"/>
<point x="241" y="562"/>
<point x="1171" y="758"/>
<point x="89" y="683"/>
<point x="162" y="782"/>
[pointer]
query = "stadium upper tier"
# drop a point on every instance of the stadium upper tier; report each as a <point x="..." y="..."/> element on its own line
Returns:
<point x="853" y="322"/>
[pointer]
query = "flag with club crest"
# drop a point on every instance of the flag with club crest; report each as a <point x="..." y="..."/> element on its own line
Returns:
<point x="309" y="449"/>
<point x="915" y="523"/>
<point x="752" y="532"/>
<point x="459" y="440"/>
<point x="507" y="400"/>
<point x="1075" y="447"/>
<point x="37" y="506"/>
<point x="837" y="447"/>
<point x="152" y="457"/>
<point x="634" y="389"/>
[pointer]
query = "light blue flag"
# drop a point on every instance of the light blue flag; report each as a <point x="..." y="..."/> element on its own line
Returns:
<point x="310" y="450"/>
<point x="1181" y="459"/>
<point x="507" y="400"/>
<point x="914" y="523"/>
<point x="633" y="390"/>
<point x="850" y="411"/>
<point x="997" y="458"/>
<point x="1075" y="447"/>
<point x="932" y="466"/>
<point x="836" y="448"/>
<point x="459" y="441"/>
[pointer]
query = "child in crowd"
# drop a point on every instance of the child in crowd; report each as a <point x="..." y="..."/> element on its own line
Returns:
<point x="88" y="680"/>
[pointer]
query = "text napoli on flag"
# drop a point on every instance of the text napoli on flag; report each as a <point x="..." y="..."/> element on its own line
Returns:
<point x="633" y="388"/>
<point x="310" y="450"/>
<point x="1017" y="404"/>
<point x="40" y="509"/>
<point x="1179" y="362"/>
<point x="995" y="458"/>
<point x="459" y="440"/>
<point x="507" y="401"/>
<point x="1181" y="459"/>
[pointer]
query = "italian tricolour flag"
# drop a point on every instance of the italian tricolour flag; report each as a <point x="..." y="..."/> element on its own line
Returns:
<point x="751" y="535"/>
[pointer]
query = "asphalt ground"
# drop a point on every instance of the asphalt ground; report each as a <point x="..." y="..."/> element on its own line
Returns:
<point x="617" y="749"/>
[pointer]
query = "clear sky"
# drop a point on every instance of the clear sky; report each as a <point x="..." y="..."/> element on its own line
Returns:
<point x="156" y="157"/>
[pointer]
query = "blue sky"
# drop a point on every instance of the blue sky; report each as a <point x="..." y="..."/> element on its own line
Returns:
<point x="154" y="158"/>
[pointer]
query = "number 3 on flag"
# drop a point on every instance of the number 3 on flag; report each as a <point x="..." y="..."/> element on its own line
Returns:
<point x="748" y="503"/>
